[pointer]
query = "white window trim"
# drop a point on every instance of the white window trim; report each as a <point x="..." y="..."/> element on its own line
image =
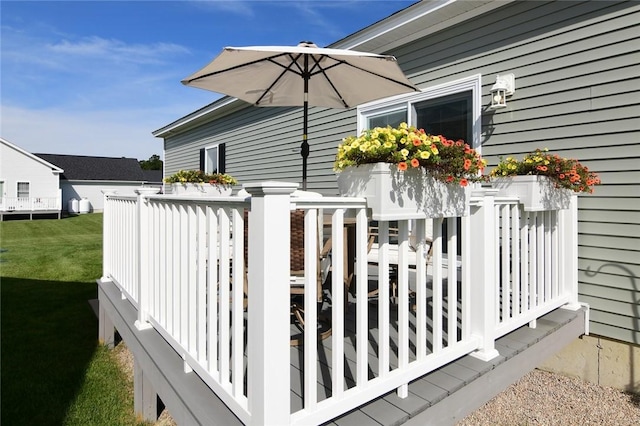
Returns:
<point x="206" y="156"/>
<point x="471" y="83"/>
<point x="18" y="192"/>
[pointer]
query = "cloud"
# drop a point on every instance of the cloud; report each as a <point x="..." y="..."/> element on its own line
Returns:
<point x="88" y="72"/>
<point x="115" y="51"/>
<point x="237" y="7"/>
<point x="315" y="12"/>
<point x="125" y="132"/>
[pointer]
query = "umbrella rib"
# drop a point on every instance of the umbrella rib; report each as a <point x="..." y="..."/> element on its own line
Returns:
<point x="342" y="62"/>
<point x="246" y="64"/>
<point x="323" y="71"/>
<point x="285" y="69"/>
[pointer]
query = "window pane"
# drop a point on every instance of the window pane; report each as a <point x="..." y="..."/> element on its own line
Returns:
<point x="449" y="116"/>
<point x="392" y="119"/>
<point x="212" y="160"/>
<point x="23" y="189"/>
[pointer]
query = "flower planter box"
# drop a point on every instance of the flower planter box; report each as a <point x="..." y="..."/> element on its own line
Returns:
<point x="536" y="193"/>
<point x="200" y="189"/>
<point x="394" y="195"/>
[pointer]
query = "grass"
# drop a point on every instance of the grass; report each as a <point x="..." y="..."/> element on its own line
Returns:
<point x="53" y="370"/>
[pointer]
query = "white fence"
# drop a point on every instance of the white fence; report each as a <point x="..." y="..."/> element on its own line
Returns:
<point x="181" y="262"/>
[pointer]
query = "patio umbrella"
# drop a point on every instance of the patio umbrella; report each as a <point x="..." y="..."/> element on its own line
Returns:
<point x="302" y="75"/>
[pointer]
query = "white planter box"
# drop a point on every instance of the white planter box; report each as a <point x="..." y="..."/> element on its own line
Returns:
<point x="395" y="195"/>
<point x="147" y="190"/>
<point x="536" y="193"/>
<point x="201" y="189"/>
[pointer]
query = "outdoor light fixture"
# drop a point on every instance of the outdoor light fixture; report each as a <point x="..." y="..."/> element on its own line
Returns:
<point x="505" y="86"/>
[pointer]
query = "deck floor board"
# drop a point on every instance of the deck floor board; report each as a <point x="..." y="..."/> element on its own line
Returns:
<point x="426" y="395"/>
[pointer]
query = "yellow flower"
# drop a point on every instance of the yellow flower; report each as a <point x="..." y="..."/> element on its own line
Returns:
<point x="425" y="155"/>
<point x="404" y="152"/>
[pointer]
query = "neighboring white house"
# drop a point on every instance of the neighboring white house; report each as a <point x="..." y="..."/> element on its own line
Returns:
<point x="46" y="183"/>
<point x="28" y="184"/>
<point x="86" y="177"/>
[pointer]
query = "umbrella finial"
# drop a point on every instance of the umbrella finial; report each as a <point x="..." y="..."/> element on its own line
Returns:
<point x="307" y="44"/>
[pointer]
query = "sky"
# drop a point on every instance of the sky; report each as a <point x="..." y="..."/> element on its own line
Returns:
<point x="98" y="77"/>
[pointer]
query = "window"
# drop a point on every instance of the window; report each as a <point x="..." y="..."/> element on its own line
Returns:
<point x="212" y="159"/>
<point x="385" y="119"/>
<point x="23" y="189"/>
<point x="451" y="109"/>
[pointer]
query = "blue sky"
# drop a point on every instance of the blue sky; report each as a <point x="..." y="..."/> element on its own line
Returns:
<point x="96" y="78"/>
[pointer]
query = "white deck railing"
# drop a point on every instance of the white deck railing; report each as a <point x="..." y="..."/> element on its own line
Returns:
<point x="31" y="204"/>
<point x="178" y="259"/>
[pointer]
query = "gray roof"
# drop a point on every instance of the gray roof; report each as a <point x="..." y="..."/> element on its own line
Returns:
<point x="78" y="167"/>
<point x="153" y="176"/>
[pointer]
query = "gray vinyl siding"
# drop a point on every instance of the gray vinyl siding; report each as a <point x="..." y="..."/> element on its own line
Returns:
<point x="263" y="144"/>
<point x="577" y="69"/>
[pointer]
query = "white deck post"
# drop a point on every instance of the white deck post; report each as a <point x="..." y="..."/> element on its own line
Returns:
<point x="145" y="398"/>
<point x="142" y="260"/>
<point x="569" y="252"/>
<point x="106" y="238"/>
<point x="106" y="234"/>
<point x="482" y="263"/>
<point x="268" y="306"/>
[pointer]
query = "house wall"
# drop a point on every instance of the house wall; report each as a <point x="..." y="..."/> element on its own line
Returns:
<point x="599" y="360"/>
<point x="93" y="192"/>
<point x="577" y="91"/>
<point x="263" y="144"/>
<point x="577" y="88"/>
<point x="16" y="166"/>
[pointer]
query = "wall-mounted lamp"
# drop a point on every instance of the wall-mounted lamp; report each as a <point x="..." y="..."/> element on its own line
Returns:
<point x="505" y="86"/>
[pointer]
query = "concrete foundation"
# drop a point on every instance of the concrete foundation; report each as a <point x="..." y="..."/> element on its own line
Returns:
<point x="599" y="360"/>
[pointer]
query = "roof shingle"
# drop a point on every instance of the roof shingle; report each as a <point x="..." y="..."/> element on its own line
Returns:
<point x="78" y="167"/>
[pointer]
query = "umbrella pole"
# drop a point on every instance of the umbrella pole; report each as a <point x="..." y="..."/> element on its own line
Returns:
<point x="304" y="148"/>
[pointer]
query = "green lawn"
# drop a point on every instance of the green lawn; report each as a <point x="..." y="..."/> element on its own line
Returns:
<point x="53" y="370"/>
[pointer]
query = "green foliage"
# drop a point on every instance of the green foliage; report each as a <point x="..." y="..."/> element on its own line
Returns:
<point x="198" y="176"/>
<point x="565" y="172"/>
<point x="53" y="370"/>
<point x="153" y="163"/>
<point x="409" y="147"/>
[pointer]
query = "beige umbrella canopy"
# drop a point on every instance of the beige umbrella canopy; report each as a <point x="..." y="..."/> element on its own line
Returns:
<point x="302" y="75"/>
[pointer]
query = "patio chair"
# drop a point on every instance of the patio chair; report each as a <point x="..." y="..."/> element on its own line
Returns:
<point x="297" y="271"/>
<point x="393" y="274"/>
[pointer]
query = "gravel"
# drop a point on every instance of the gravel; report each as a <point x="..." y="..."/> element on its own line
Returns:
<point x="543" y="398"/>
<point x="539" y="398"/>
